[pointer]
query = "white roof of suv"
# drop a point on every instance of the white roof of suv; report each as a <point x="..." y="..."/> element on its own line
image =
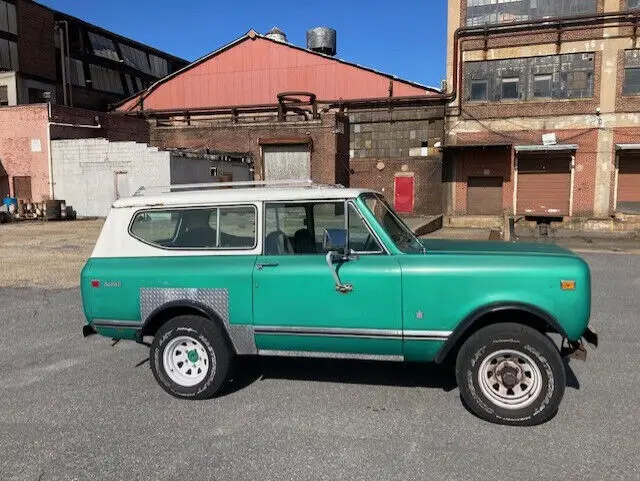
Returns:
<point x="238" y="194"/>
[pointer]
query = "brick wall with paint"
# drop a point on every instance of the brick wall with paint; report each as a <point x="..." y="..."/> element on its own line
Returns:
<point x="23" y="148"/>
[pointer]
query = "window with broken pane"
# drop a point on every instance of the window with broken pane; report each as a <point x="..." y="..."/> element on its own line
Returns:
<point x="566" y="76"/>
<point x="542" y="86"/>
<point x="510" y="89"/>
<point x="479" y="90"/>
<point x="631" y="83"/>
<point x="483" y="12"/>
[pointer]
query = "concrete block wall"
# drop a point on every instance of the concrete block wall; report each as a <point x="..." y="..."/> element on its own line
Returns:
<point x="395" y="134"/>
<point x="85" y="172"/>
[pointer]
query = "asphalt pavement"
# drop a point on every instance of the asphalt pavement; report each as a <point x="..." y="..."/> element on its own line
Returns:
<point x="76" y="409"/>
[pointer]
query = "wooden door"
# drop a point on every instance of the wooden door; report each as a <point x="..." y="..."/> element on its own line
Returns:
<point x="22" y="188"/>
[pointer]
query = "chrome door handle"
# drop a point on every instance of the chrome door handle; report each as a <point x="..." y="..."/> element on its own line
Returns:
<point x="260" y="265"/>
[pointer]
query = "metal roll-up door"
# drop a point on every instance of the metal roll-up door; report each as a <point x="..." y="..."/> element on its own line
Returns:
<point x="284" y="162"/>
<point x="629" y="184"/>
<point x="544" y="185"/>
<point x="484" y="195"/>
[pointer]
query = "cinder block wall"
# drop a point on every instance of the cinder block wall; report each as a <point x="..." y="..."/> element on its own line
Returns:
<point x="85" y="172"/>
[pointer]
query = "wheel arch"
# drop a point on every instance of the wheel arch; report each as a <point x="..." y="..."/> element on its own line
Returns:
<point x="528" y="315"/>
<point x="172" y="309"/>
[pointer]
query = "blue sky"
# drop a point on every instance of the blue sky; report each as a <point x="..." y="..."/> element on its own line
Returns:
<point x="407" y="38"/>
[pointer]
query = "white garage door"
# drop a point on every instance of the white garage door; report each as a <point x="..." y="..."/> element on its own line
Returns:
<point x="283" y="162"/>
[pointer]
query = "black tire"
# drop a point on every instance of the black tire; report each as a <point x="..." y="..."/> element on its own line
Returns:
<point x="533" y="352"/>
<point x="211" y="338"/>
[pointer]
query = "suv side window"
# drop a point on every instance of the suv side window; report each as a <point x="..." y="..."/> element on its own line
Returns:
<point x="225" y="227"/>
<point x="298" y="228"/>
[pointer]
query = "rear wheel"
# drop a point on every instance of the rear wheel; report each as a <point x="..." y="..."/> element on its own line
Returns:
<point x="190" y="357"/>
<point x="511" y="374"/>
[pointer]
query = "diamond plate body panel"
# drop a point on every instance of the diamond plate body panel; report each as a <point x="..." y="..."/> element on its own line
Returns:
<point x="217" y="300"/>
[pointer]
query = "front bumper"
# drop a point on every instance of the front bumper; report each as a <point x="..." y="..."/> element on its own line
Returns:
<point x="577" y="349"/>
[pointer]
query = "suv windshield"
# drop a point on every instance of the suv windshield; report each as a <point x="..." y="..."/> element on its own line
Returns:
<point x="391" y="223"/>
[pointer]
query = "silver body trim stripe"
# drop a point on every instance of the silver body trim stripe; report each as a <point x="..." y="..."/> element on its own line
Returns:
<point x="348" y="332"/>
<point x="331" y="355"/>
<point x="427" y="335"/>
<point x="117" y="324"/>
<point x="329" y="332"/>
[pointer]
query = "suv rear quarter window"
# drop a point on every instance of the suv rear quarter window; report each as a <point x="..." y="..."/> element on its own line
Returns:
<point x="223" y="227"/>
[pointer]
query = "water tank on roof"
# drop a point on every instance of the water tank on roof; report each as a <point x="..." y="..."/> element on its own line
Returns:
<point x="276" y="34"/>
<point x="322" y="39"/>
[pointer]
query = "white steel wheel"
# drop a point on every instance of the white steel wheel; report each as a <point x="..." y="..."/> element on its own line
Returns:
<point x="186" y="361"/>
<point x="510" y="379"/>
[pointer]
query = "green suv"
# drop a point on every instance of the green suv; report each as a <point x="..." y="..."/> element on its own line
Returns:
<point x="213" y="272"/>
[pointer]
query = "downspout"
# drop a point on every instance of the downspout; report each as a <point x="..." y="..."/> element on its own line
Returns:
<point x="68" y="62"/>
<point x="62" y="66"/>
<point x="49" y="154"/>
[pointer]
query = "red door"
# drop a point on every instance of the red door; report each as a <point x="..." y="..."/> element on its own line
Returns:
<point x="403" y="194"/>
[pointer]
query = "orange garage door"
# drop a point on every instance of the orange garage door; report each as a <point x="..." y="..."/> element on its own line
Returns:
<point x="544" y="185"/>
<point x="629" y="184"/>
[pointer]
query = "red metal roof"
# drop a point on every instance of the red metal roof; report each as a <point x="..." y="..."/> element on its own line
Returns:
<point x="254" y="69"/>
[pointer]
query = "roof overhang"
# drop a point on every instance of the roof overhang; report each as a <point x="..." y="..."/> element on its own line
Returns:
<point x="476" y="146"/>
<point x="628" y="147"/>
<point x="285" y="140"/>
<point x="546" y="148"/>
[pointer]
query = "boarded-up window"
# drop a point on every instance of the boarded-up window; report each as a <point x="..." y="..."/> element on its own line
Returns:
<point x="106" y="79"/>
<point x="8" y="55"/>
<point x="8" y="18"/>
<point x="159" y="66"/>
<point x="135" y="58"/>
<point x="77" y="72"/>
<point x="103" y="46"/>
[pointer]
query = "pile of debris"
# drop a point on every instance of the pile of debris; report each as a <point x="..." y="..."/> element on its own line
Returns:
<point x="13" y="209"/>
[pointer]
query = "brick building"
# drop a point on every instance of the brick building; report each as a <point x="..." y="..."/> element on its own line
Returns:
<point x="545" y="121"/>
<point x="46" y="54"/>
<point x="302" y="112"/>
<point x="27" y="132"/>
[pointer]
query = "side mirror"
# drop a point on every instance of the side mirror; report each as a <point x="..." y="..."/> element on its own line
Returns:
<point x="335" y="240"/>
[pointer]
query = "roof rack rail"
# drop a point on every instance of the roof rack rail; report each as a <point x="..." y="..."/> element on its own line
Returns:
<point x="165" y="189"/>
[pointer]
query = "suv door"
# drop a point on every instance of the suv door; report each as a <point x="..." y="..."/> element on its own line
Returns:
<point x="296" y="304"/>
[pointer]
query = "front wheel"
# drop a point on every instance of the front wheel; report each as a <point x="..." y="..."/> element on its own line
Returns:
<point x="511" y="374"/>
<point x="190" y="357"/>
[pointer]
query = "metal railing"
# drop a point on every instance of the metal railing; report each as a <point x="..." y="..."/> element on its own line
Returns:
<point x="167" y="189"/>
